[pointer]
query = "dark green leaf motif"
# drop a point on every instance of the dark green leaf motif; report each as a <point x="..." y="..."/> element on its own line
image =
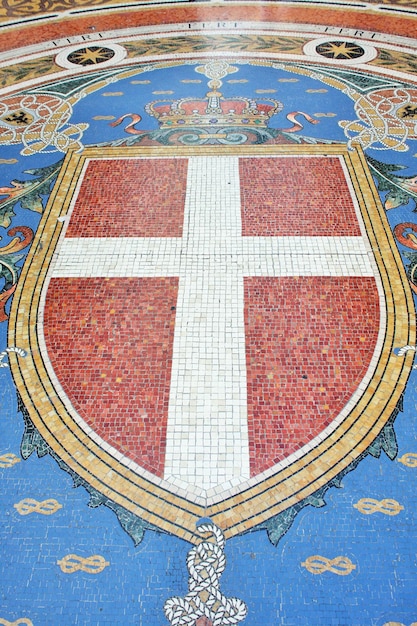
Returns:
<point x="401" y="189"/>
<point x="29" y="192"/>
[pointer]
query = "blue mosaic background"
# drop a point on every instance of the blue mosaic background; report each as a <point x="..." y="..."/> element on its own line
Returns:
<point x="277" y="589"/>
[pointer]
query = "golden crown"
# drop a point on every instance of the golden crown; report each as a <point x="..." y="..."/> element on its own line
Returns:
<point x="214" y="109"/>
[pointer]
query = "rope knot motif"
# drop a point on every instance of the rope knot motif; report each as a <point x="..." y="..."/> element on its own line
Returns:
<point x="205" y="604"/>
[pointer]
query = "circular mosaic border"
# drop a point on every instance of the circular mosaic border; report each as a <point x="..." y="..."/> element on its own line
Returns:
<point x="88" y="56"/>
<point x="340" y="50"/>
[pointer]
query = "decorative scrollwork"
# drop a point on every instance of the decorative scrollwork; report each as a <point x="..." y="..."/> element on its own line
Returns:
<point x="340" y="565"/>
<point x="409" y="459"/>
<point x="8" y="459"/>
<point x="386" y="119"/>
<point x="94" y="564"/>
<point x="9" y="270"/>
<point x="44" y="507"/>
<point x="387" y="506"/>
<point x="40" y="122"/>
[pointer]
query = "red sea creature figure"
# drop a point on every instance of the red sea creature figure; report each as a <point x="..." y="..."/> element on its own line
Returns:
<point x="406" y="234"/>
<point x="410" y="184"/>
<point x="8" y="259"/>
<point x="297" y="125"/>
<point x="407" y="185"/>
<point x="12" y="192"/>
<point x="130" y="128"/>
<point x="401" y="189"/>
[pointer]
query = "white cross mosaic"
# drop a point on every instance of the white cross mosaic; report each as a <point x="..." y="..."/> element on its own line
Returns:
<point x="207" y="437"/>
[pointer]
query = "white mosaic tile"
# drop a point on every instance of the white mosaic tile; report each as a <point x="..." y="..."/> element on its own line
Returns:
<point x="207" y="440"/>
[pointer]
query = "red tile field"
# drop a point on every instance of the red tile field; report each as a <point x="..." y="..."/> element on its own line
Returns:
<point x="80" y="24"/>
<point x="309" y="342"/>
<point x="110" y="344"/>
<point x="296" y="196"/>
<point x="130" y="198"/>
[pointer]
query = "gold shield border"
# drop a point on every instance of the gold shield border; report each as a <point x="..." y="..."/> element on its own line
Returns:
<point x="289" y="486"/>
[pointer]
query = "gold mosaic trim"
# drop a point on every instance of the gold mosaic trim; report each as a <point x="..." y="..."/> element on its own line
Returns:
<point x="201" y="44"/>
<point x="26" y="8"/>
<point x="256" y="504"/>
<point x="243" y="42"/>
<point x="161" y="46"/>
<point x="395" y="60"/>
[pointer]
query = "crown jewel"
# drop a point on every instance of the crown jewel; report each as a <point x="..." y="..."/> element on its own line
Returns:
<point x="214" y="109"/>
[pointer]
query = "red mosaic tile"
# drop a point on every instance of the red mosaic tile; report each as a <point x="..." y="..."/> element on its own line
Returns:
<point x="140" y="198"/>
<point x="296" y="196"/>
<point x="309" y="342"/>
<point x="110" y="344"/>
<point x="82" y="25"/>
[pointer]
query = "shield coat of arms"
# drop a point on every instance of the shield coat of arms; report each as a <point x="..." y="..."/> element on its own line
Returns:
<point x="211" y="332"/>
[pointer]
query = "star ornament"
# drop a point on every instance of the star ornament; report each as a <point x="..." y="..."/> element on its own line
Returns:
<point x="340" y="50"/>
<point x="91" y="56"/>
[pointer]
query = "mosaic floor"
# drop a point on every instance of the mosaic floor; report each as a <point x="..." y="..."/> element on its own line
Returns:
<point x="208" y="276"/>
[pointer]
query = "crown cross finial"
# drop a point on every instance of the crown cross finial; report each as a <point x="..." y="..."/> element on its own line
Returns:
<point x="216" y="70"/>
